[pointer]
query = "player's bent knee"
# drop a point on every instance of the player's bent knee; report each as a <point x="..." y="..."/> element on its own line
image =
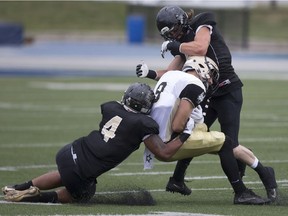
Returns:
<point x="85" y="194"/>
<point x="237" y="152"/>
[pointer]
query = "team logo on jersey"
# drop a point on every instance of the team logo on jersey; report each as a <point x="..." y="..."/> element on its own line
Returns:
<point x="201" y="97"/>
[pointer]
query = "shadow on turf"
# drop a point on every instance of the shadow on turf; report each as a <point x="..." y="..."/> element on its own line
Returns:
<point x="132" y="198"/>
<point x="282" y="199"/>
<point x="142" y="197"/>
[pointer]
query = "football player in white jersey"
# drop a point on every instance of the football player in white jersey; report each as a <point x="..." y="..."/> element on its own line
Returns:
<point x="173" y="90"/>
<point x="176" y="95"/>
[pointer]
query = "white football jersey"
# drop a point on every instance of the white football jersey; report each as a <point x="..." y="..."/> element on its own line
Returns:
<point x="167" y="95"/>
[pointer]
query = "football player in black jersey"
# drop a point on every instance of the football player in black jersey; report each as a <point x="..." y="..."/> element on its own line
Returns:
<point x="121" y="131"/>
<point x="188" y="35"/>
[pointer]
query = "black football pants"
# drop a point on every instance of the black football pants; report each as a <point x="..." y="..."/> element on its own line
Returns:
<point x="226" y="109"/>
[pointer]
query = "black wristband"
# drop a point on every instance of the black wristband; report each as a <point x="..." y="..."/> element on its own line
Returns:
<point x="183" y="137"/>
<point x="152" y="74"/>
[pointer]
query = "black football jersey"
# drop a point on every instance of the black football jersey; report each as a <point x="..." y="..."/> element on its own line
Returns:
<point x="120" y="133"/>
<point x="217" y="51"/>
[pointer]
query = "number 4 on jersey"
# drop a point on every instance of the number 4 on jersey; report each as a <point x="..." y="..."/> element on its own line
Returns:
<point x="110" y="128"/>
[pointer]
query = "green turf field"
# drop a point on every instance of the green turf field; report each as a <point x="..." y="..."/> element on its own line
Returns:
<point x="39" y="115"/>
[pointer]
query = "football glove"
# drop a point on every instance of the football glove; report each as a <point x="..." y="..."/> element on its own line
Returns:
<point x="172" y="46"/>
<point x="143" y="71"/>
<point x="197" y="115"/>
<point x="164" y="48"/>
<point x="189" y="126"/>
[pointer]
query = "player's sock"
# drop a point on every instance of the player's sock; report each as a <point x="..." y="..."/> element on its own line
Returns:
<point x="50" y="197"/>
<point x="238" y="186"/>
<point x="43" y="197"/>
<point x="242" y="168"/>
<point x="229" y="166"/>
<point x="24" y="186"/>
<point x="180" y="169"/>
<point x="260" y="169"/>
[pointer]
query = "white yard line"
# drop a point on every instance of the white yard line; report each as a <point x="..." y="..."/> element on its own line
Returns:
<point x="44" y="145"/>
<point x="15" y="168"/>
<point x="42" y="108"/>
<point x="26" y="203"/>
<point x="80" y="86"/>
<point x="155" y="213"/>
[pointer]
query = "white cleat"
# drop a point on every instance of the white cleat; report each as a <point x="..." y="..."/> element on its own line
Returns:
<point x="18" y="196"/>
<point x="7" y="189"/>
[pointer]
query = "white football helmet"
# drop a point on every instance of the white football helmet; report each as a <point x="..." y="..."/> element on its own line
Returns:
<point x="205" y="67"/>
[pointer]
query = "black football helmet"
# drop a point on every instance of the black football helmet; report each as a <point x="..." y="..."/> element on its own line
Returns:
<point x="139" y="97"/>
<point x="172" y="22"/>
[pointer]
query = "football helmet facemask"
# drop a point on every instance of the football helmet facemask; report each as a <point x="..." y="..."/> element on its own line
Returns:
<point x="206" y="69"/>
<point x="139" y="97"/>
<point x="172" y="22"/>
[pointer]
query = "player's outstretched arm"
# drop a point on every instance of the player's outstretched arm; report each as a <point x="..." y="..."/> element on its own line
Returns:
<point x="143" y="71"/>
<point x="164" y="151"/>
<point x="161" y="150"/>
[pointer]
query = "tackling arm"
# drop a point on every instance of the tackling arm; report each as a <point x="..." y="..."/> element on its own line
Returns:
<point x="161" y="150"/>
<point x="176" y="64"/>
<point x="165" y="151"/>
<point x="200" y="44"/>
<point x="197" y="47"/>
<point x="143" y="71"/>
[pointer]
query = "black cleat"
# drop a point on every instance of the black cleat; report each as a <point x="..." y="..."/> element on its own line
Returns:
<point x="270" y="184"/>
<point x="177" y="187"/>
<point x="272" y="194"/>
<point x="248" y="197"/>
